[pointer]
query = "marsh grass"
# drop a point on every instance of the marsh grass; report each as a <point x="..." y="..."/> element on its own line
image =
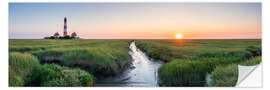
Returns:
<point x="192" y="72"/>
<point x="190" y="60"/>
<point x="25" y="70"/>
<point x="227" y="75"/>
<point x="252" y="61"/>
<point x="224" y="76"/>
<point x="20" y="65"/>
<point x="186" y="48"/>
<point x="183" y="73"/>
<point x="52" y="75"/>
<point x="100" y="57"/>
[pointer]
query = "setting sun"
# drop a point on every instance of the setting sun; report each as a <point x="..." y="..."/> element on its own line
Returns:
<point x="179" y="36"/>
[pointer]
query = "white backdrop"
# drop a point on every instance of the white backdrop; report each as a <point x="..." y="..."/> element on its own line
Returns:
<point x="265" y="42"/>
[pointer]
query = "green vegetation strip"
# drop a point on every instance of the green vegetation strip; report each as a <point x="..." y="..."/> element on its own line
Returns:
<point x="190" y="60"/>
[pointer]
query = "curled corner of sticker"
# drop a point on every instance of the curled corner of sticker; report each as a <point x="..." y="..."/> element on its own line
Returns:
<point x="249" y="76"/>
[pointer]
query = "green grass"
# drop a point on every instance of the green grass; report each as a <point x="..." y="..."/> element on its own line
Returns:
<point x="226" y="75"/>
<point x="188" y="61"/>
<point x="183" y="73"/>
<point x="192" y="71"/>
<point x="167" y="50"/>
<point x="20" y="65"/>
<point x="252" y="61"/>
<point x="100" y="57"/>
<point x="52" y="75"/>
<point x="25" y="70"/>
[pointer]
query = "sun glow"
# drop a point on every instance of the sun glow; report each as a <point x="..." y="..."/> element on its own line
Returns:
<point x="178" y="36"/>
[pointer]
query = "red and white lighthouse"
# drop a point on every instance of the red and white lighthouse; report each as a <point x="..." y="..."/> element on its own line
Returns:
<point x="65" y="27"/>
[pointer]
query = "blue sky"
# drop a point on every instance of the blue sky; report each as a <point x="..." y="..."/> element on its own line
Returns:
<point x="136" y="20"/>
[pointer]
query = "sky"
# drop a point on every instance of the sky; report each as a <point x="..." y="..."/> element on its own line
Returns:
<point x="136" y="20"/>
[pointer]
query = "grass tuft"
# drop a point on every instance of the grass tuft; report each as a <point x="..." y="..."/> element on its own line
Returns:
<point x="183" y="73"/>
<point x="20" y="65"/>
<point x="52" y="75"/>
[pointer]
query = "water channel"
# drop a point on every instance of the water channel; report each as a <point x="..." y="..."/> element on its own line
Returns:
<point x="142" y="72"/>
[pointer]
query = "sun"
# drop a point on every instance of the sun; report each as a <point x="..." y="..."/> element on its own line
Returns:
<point x="178" y="36"/>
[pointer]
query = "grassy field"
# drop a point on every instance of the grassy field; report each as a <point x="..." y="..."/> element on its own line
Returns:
<point x="188" y="61"/>
<point x="191" y="48"/>
<point x="97" y="57"/>
<point x="38" y="62"/>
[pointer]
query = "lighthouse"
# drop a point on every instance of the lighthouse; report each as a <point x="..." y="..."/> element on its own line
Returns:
<point x="65" y="27"/>
<point x="56" y="35"/>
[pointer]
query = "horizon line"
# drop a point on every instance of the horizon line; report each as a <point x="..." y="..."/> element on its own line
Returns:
<point x="149" y="38"/>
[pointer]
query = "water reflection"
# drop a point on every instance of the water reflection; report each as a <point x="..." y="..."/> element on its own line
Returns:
<point x="142" y="72"/>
